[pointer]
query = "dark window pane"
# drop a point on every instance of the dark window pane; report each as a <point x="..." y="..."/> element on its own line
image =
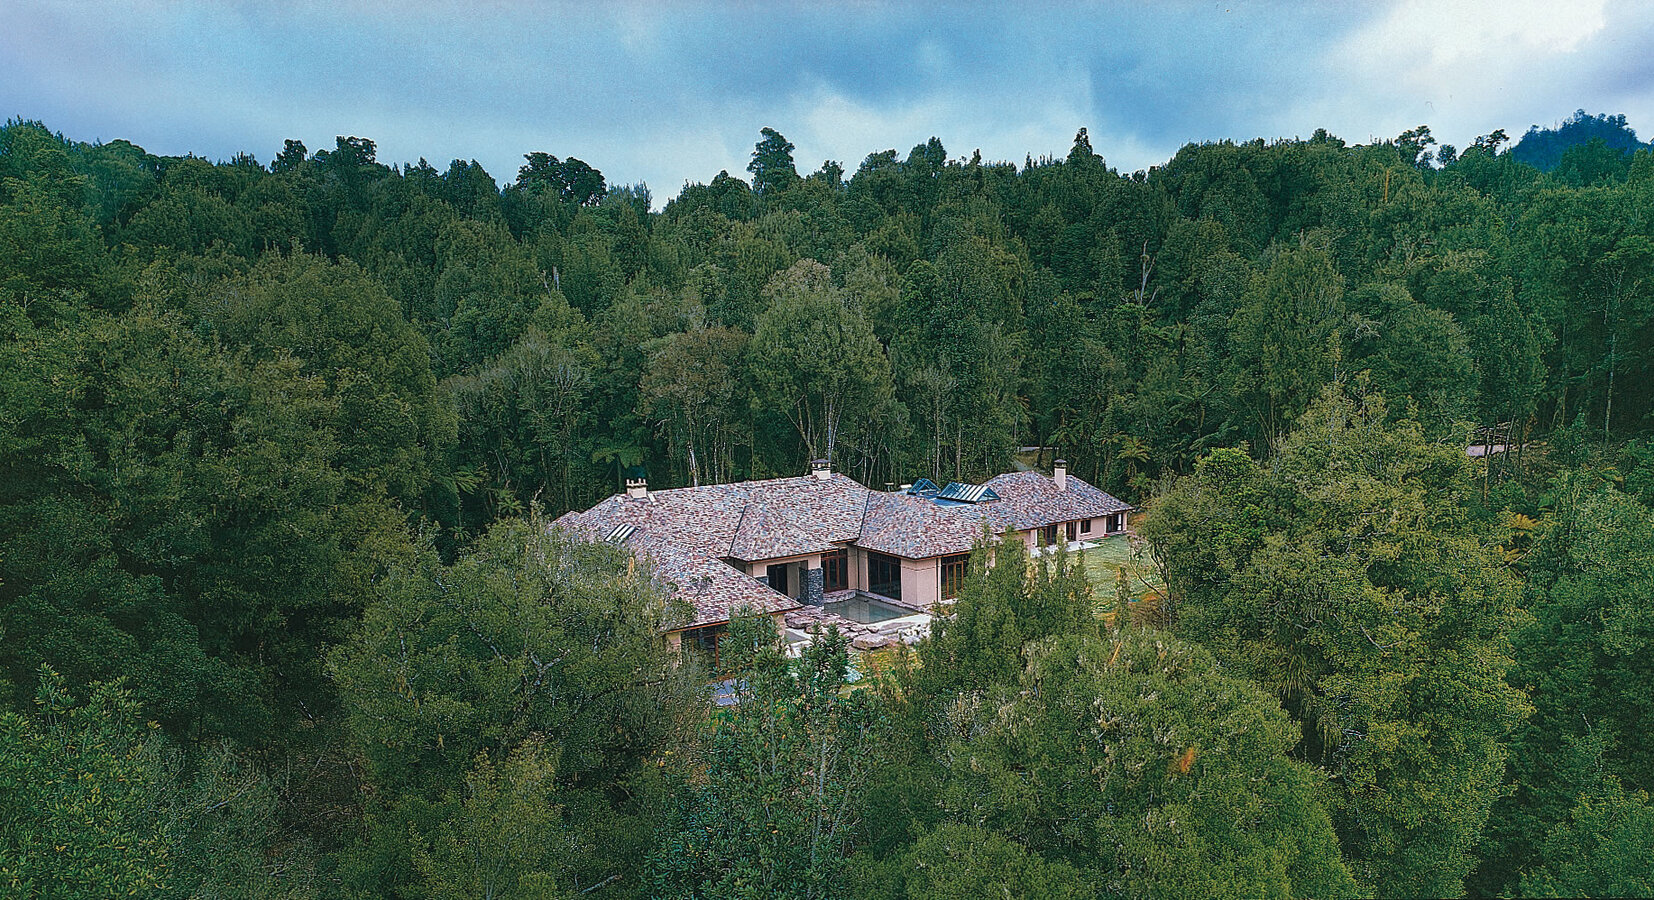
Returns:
<point x="953" y="574"/>
<point x="884" y="575"/>
<point x="835" y="570"/>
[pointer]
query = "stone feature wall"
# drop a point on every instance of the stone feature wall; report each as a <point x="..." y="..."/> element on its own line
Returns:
<point x="814" y="594"/>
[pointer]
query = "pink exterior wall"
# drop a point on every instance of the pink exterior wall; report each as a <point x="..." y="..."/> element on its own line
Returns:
<point x="1099" y="526"/>
<point x="796" y="582"/>
<point x="921" y="582"/>
<point x="858" y="569"/>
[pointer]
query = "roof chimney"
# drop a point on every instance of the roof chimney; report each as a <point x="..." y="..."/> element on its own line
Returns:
<point x="1059" y="474"/>
<point x="637" y="488"/>
<point x="819" y="468"/>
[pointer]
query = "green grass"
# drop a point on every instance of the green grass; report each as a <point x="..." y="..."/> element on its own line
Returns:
<point x="1114" y="554"/>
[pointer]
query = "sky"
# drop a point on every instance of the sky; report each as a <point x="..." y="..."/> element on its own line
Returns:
<point x="666" y="93"/>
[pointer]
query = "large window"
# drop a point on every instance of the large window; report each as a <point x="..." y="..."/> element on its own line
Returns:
<point x="884" y="575"/>
<point x="1073" y="533"/>
<point x="1048" y="535"/>
<point x="704" y="641"/>
<point x="835" y="570"/>
<point x="1085" y="526"/>
<point x="777" y="578"/>
<point x="953" y="574"/>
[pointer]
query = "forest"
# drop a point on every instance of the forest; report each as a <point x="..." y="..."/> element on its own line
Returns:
<point x="281" y="615"/>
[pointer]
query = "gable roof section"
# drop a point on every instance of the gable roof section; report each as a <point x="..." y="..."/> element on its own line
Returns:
<point x="1035" y="501"/>
<point x="793" y="516"/>
<point x="917" y="527"/>
<point x="714" y="590"/>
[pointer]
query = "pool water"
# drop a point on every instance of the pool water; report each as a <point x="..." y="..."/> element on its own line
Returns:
<point x="866" y="610"/>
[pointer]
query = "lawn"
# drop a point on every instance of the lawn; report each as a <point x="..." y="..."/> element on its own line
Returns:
<point x="1114" y="554"/>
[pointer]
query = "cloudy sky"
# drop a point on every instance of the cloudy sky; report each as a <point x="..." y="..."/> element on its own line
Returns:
<point x="669" y="92"/>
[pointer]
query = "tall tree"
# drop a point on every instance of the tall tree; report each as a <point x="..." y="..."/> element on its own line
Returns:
<point x="776" y="791"/>
<point x="1347" y="578"/>
<point x="772" y="163"/>
<point x="814" y="358"/>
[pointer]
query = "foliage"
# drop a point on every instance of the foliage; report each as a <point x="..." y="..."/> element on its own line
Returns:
<point x="96" y="804"/>
<point x="259" y="421"/>
<point x="536" y="650"/>
<point x="1346" y="578"/>
<point x="773" y="795"/>
<point x="1137" y="761"/>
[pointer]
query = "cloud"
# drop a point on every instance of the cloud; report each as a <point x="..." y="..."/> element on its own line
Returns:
<point x="674" y="92"/>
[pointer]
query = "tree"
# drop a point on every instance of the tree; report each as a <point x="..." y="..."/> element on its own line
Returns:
<point x="1586" y="661"/>
<point x="570" y="180"/>
<point x="978" y="644"/>
<point x="691" y="388"/>
<point x="94" y="803"/>
<point x="965" y="862"/>
<point x="1139" y="762"/>
<point x="773" y="799"/>
<point x="772" y="163"/>
<point x="530" y="637"/>
<point x="503" y="836"/>
<point x="1348" y="580"/>
<point x="815" y="358"/>
<point x="1286" y="338"/>
<point x="74" y="819"/>
<point x="1603" y="850"/>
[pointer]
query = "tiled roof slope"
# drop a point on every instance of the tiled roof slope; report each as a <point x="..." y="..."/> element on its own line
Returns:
<point x="916" y="527"/>
<point x="792" y="516"/>
<point x="1035" y="501"/>
<point x="690" y="532"/>
<point x="713" y="589"/>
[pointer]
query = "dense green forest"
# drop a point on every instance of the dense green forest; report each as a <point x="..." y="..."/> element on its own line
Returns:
<point x="281" y="616"/>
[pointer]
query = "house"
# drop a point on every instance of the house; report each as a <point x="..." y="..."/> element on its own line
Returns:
<point x="822" y="540"/>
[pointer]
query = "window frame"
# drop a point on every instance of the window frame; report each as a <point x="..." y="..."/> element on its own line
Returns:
<point x="888" y="566"/>
<point x="835" y="562"/>
<point x="953" y="569"/>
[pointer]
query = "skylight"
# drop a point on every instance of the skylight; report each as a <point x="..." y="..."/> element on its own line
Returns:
<point x="924" y="487"/>
<point x="967" y="493"/>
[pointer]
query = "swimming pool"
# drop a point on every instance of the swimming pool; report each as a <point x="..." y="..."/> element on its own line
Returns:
<point x="866" y="610"/>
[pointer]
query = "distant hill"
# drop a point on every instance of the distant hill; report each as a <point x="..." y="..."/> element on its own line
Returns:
<point x="1543" y="148"/>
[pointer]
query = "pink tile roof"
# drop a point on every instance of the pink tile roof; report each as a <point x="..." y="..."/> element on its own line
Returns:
<point x="1034" y="501"/>
<point x="691" y="534"/>
<point x="917" y="528"/>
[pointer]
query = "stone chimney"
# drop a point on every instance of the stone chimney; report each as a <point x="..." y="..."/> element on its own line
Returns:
<point x="637" y="488"/>
<point x="818" y="468"/>
<point x="1059" y="474"/>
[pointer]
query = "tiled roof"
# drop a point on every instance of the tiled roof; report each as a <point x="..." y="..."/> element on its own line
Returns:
<point x="1035" y="501"/>
<point x="792" y="516"/>
<point x="689" y="533"/>
<point x="714" y="589"/>
<point x="916" y="527"/>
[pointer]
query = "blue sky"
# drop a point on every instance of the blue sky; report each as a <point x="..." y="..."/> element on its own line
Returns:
<point x="669" y="92"/>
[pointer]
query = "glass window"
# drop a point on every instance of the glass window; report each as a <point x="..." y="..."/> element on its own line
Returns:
<point x="953" y="574"/>
<point x="835" y="570"/>
<point x="884" y="575"/>
<point x="1072" y="531"/>
<point x="1048" y="535"/>
<point x="704" y="641"/>
<point x="1085" y="526"/>
<point x="777" y="577"/>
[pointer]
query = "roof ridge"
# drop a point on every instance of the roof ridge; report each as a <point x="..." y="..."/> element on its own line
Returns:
<point x="735" y="533"/>
<point x="861" y="522"/>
